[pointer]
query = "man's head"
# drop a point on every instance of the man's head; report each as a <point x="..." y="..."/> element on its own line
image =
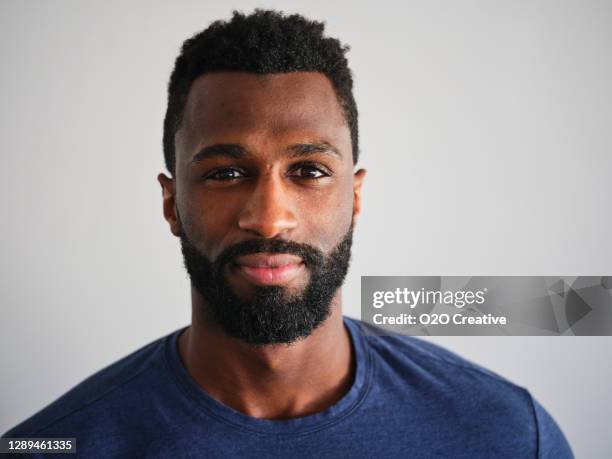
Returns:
<point x="260" y="137"/>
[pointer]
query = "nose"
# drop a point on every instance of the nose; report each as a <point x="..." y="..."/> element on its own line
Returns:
<point x="268" y="210"/>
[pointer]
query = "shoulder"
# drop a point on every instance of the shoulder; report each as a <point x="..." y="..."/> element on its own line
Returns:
<point x="408" y="352"/>
<point x="459" y="392"/>
<point x="95" y="397"/>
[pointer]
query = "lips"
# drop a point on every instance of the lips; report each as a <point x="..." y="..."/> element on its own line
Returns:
<point x="269" y="269"/>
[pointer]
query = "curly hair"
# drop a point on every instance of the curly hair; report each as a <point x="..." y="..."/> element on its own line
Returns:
<point x="263" y="42"/>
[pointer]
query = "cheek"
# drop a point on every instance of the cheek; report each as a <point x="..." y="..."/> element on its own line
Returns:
<point x="207" y="221"/>
<point x="326" y="217"/>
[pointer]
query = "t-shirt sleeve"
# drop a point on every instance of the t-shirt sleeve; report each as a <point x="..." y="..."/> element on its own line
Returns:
<point x="551" y="441"/>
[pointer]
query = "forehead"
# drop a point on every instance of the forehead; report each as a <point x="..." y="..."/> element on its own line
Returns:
<point x="230" y="106"/>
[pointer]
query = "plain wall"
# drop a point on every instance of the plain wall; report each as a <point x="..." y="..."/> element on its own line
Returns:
<point x="485" y="127"/>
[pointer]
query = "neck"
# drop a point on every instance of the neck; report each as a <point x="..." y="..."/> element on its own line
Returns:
<point x="272" y="382"/>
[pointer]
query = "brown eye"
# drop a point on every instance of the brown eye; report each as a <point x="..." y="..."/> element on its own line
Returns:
<point x="225" y="174"/>
<point x="309" y="172"/>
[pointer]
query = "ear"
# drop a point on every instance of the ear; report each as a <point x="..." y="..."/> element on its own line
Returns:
<point x="169" y="203"/>
<point x="357" y="182"/>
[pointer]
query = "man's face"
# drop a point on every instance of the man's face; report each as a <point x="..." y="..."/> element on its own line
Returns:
<point x="264" y="199"/>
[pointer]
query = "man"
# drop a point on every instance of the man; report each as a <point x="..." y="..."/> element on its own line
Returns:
<point x="261" y="142"/>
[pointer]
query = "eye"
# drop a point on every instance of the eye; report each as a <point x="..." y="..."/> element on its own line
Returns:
<point x="309" y="171"/>
<point x="224" y="174"/>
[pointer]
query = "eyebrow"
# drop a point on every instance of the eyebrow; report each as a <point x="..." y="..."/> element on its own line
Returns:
<point x="237" y="152"/>
<point x="220" y="150"/>
<point x="303" y="149"/>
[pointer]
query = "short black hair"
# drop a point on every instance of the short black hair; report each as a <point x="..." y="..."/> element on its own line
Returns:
<point x="263" y="42"/>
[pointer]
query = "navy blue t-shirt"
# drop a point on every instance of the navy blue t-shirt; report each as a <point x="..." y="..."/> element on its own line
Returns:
<point x="409" y="398"/>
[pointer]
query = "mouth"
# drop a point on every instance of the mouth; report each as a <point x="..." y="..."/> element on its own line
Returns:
<point x="268" y="269"/>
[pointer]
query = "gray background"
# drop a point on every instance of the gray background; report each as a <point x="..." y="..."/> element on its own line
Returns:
<point x="485" y="127"/>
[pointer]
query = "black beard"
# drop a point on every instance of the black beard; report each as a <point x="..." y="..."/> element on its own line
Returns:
<point x="273" y="316"/>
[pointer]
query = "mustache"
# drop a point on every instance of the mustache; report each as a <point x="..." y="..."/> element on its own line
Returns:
<point x="309" y="255"/>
